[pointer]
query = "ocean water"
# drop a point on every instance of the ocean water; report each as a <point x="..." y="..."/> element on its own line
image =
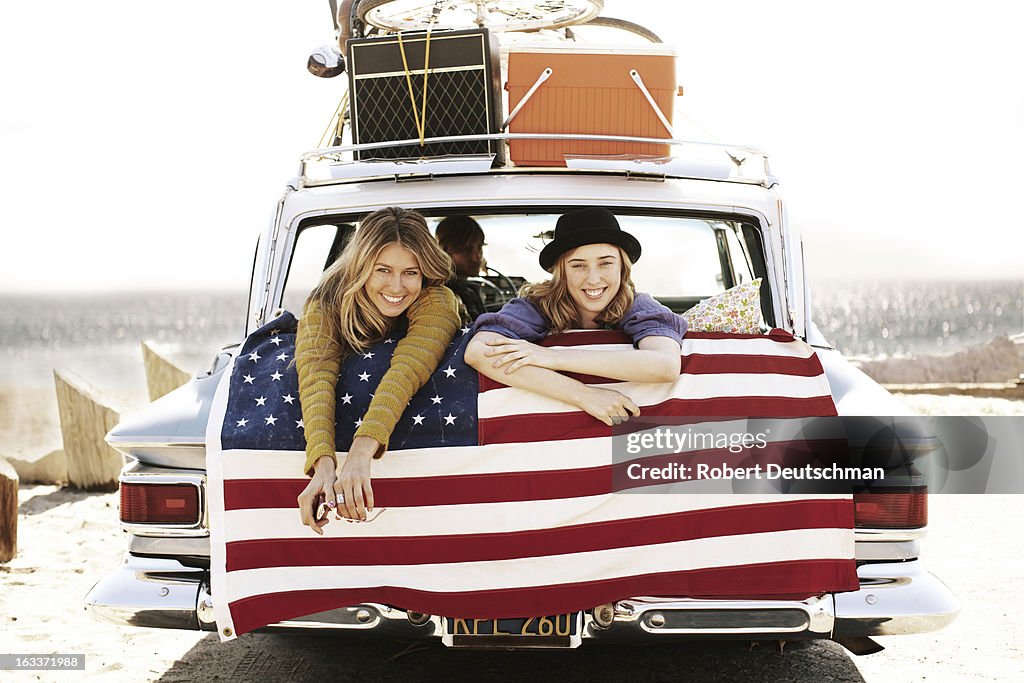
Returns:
<point x="893" y="319"/>
<point x="98" y="336"/>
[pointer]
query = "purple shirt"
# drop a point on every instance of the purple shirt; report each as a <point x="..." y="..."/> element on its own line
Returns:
<point x="520" y="319"/>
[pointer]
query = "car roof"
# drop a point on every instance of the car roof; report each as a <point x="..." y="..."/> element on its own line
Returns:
<point x="509" y="190"/>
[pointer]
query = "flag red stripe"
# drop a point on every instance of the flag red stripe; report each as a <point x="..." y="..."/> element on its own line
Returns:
<point x="501" y="487"/>
<point x="578" y="538"/>
<point x="700" y="364"/>
<point x="527" y="427"/>
<point x="779" y="580"/>
<point x="776" y="335"/>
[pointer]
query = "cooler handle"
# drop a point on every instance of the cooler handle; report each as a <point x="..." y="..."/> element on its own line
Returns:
<point x="635" y="75"/>
<point x="544" y="75"/>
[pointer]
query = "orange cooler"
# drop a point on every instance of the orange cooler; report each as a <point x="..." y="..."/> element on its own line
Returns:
<point x="589" y="91"/>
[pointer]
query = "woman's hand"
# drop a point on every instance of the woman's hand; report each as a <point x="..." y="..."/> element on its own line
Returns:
<point x="516" y="353"/>
<point x="607" y="405"/>
<point x="321" y="484"/>
<point x="353" y="483"/>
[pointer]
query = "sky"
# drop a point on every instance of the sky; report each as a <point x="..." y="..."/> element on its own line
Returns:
<point x="143" y="145"/>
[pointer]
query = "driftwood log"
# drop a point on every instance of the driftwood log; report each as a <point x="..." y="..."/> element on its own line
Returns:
<point x="84" y="422"/>
<point x="8" y="512"/>
<point x="162" y="376"/>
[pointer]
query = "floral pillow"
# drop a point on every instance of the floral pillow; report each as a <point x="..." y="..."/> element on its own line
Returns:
<point x="736" y="310"/>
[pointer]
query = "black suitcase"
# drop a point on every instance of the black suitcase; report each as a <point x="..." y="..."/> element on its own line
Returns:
<point x="462" y="92"/>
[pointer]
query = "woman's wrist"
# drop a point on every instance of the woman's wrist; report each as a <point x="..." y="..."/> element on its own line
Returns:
<point x="556" y="359"/>
<point x="324" y="463"/>
<point x="364" y="447"/>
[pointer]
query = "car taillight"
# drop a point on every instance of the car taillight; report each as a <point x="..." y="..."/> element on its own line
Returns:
<point x="896" y="508"/>
<point x="159" y="504"/>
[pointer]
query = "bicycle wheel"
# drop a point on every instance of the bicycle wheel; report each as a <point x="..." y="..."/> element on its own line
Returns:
<point x="496" y="15"/>
<point x="620" y="25"/>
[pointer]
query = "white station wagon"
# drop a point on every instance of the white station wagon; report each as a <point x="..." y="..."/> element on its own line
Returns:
<point x="710" y="218"/>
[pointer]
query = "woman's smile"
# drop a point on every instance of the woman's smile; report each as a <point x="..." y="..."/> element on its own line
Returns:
<point x="593" y="274"/>
<point x="396" y="280"/>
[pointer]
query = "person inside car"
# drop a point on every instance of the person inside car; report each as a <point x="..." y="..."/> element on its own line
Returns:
<point x="391" y="269"/>
<point x="590" y="259"/>
<point x="462" y="238"/>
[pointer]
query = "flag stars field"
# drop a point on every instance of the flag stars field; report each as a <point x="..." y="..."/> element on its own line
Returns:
<point x="267" y="403"/>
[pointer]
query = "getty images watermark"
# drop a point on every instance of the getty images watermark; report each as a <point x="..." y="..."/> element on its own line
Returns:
<point x="818" y="455"/>
<point x="727" y="439"/>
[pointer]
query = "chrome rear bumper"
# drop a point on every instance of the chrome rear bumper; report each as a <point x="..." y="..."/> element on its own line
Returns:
<point x="893" y="599"/>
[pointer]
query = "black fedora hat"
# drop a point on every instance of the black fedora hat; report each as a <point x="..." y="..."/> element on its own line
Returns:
<point x="595" y="225"/>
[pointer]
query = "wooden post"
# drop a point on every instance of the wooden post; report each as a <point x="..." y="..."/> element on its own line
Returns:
<point x="1018" y="345"/>
<point x="8" y="512"/>
<point x="84" y="422"/>
<point x="51" y="468"/>
<point x="162" y="376"/>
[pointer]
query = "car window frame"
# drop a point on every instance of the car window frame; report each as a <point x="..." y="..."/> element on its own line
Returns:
<point x="751" y="236"/>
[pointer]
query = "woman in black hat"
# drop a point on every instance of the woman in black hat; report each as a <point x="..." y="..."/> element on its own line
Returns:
<point x="590" y="259"/>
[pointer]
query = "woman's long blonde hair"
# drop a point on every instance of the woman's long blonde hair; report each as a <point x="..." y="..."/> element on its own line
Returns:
<point x="557" y="306"/>
<point x="349" y="314"/>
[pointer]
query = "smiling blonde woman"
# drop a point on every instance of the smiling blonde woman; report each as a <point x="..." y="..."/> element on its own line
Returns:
<point x="590" y="259"/>
<point x="392" y="268"/>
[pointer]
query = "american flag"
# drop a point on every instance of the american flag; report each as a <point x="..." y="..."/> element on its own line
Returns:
<point x="497" y="502"/>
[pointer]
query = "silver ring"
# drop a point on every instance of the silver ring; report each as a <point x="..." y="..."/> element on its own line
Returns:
<point x="340" y="498"/>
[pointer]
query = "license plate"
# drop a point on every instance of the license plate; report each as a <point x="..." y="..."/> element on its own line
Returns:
<point x="560" y="630"/>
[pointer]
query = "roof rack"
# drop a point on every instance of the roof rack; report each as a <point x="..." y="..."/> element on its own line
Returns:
<point x="700" y="160"/>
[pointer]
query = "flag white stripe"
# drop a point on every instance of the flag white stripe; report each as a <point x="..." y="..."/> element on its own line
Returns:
<point x="432" y="462"/>
<point x="215" y="492"/>
<point x="512" y="401"/>
<point x="779" y="546"/>
<point x="491" y="518"/>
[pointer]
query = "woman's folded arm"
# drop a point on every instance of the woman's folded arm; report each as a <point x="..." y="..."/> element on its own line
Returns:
<point x="433" y="321"/>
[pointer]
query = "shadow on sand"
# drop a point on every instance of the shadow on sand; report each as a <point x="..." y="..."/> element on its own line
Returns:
<point x="274" y="657"/>
<point x="44" y="502"/>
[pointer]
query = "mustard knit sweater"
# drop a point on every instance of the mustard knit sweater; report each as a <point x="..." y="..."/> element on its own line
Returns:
<point x="433" y="320"/>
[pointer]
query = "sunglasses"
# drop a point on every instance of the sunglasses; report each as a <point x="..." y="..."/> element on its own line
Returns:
<point x="322" y="509"/>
